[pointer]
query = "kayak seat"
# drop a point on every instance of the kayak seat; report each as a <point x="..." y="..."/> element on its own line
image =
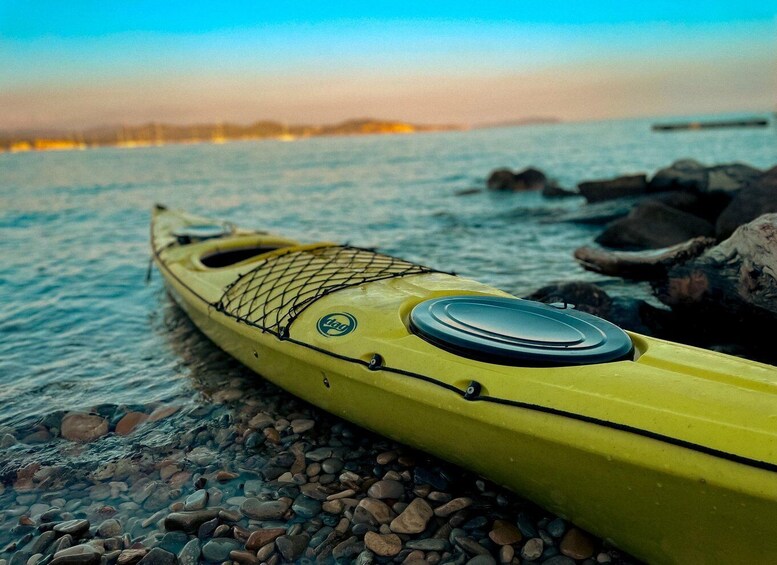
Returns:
<point x="227" y="257"/>
<point x="511" y="331"/>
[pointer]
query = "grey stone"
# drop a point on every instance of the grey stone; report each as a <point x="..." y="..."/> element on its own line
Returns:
<point x="197" y="500"/>
<point x="306" y="507"/>
<point x="428" y="544"/>
<point x="73" y="527"/>
<point x="109" y="528"/>
<point x="189" y="522"/>
<point x="264" y="510"/>
<point x="291" y="547"/>
<point x="190" y="554"/>
<point x="77" y="555"/>
<point x="173" y="541"/>
<point x="217" y="549"/>
<point x="158" y="556"/>
<point x="386" y="489"/>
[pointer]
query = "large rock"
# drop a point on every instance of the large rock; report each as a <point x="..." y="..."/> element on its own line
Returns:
<point x="83" y="428"/>
<point x="527" y="179"/>
<point x="734" y="281"/>
<point x="189" y="522"/>
<point x="731" y="177"/>
<point x="620" y="187"/>
<point x="686" y="174"/>
<point x="653" y="225"/>
<point x="759" y="197"/>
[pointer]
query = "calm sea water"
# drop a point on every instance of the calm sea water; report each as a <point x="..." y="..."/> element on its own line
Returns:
<point x="79" y="327"/>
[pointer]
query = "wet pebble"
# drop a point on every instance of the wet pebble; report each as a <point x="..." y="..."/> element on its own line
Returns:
<point x="109" y="528"/>
<point x="577" y="544"/>
<point x="428" y="544"/>
<point x="386" y="489"/>
<point x="557" y="527"/>
<point x="385" y="545"/>
<point x="260" y="538"/>
<point x="291" y="547"/>
<point x="190" y="554"/>
<point x="197" y="500"/>
<point x="532" y="549"/>
<point x="218" y="549"/>
<point x="83" y="428"/>
<point x="264" y="510"/>
<point x="504" y="533"/>
<point x="300" y="426"/>
<point x="77" y="555"/>
<point x="414" y="518"/>
<point x="371" y="510"/>
<point x="130" y="556"/>
<point x="189" y="522"/>
<point x="73" y="527"/>
<point x="452" y="507"/>
<point x="158" y="556"/>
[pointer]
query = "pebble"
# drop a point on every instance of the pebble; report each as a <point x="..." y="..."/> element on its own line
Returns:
<point x="244" y="557"/>
<point x="301" y="426"/>
<point x="129" y="422"/>
<point x="319" y="454"/>
<point x="218" y="549"/>
<point x="197" y="500"/>
<point x="471" y="546"/>
<point x="453" y="506"/>
<point x="506" y="554"/>
<point x="190" y="554"/>
<point x="272" y="435"/>
<point x="291" y="547"/>
<point x="374" y="511"/>
<point x="261" y="421"/>
<point x="264" y="510"/>
<point x="385" y="545"/>
<point x="158" y="556"/>
<point x="189" y="522"/>
<point x="83" y="428"/>
<point x="260" y="538"/>
<point x="482" y="559"/>
<point x="162" y="412"/>
<point x="428" y="544"/>
<point x="577" y="544"/>
<point x="79" y="554"/>
<point x="386" y="489"/>
<point x="559" y="560"/>
<point x="386" y="457"/>
<point x="532" y="549"/>
<point x="73" y="527"/>
<point x="333" y="506"/>
<point x="504" y="533"/>
<point x="525" y="525"/>
<point x="414" y="518"/>
<point x="130" y="556"/>
<point x="557" y="527"/>
<point x="109" y="528"/>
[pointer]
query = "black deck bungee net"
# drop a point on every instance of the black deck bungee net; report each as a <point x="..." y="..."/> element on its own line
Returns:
<point x="278" y="289"/>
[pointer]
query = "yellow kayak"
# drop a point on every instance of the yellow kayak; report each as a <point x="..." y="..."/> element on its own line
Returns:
<point x="668" y="451"/>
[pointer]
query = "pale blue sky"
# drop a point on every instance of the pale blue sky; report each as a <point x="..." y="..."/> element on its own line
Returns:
<point x="86" y="63"/>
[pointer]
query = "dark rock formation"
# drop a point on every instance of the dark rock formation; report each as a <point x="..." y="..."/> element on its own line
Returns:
<point x="628" y="313"/>
<point x="527" y="179"/>
<point x="652" y="225"/>
<point x="759" y="197"/>
<point x="553" y="190"/>
<point x="686" y="174"/>
<point x="600" y="190"/>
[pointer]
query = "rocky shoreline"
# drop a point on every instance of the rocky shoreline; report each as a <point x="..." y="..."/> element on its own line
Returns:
<point x="702" y="236"/>
<point x="257" y="476"/>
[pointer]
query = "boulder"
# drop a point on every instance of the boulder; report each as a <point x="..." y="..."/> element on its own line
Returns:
<point x="600" y="190"/>
<point x="641" y="265"/>
<point x="628" y="313"/>
<point x="731" y="177"/>
<point x="599" y="213"/>
<point x="735" y="280"/>
<point x="553" y="190"/>
<point x="686" y="174"/>
<point x="653" y="225"/>
<point x="527" y="179"/>
<point x="705" y="205"/>
<point x="759" y="197"/>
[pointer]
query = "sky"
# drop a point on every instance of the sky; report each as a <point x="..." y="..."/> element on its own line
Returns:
<point x="82" y="64"/>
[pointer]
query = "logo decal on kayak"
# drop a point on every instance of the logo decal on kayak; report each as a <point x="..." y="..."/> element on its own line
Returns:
<point x="337" y="324"/>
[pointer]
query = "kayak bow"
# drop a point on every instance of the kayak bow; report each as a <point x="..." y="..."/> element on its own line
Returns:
<point x="667" y="450"/>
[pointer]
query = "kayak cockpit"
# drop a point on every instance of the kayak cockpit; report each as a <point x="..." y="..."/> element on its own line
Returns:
<point x="228" y="257"/>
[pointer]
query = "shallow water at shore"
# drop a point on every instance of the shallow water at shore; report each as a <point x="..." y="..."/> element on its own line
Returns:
<point x="81" y="331"/>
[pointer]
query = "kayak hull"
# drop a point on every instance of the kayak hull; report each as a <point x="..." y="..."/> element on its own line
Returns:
<point x="660" y="501"/>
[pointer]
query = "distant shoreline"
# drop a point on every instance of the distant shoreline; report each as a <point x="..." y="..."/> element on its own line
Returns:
<point x="158" y="134"/>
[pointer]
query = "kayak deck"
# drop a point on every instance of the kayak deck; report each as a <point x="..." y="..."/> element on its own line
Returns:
<point x="674" y="439"/>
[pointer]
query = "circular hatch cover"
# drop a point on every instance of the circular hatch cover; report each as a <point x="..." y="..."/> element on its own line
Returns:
<point x="511" y="331"/>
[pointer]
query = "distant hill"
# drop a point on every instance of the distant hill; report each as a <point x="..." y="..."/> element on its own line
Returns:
<point x="519" y="122"/>
<point x="160" y="134"/>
